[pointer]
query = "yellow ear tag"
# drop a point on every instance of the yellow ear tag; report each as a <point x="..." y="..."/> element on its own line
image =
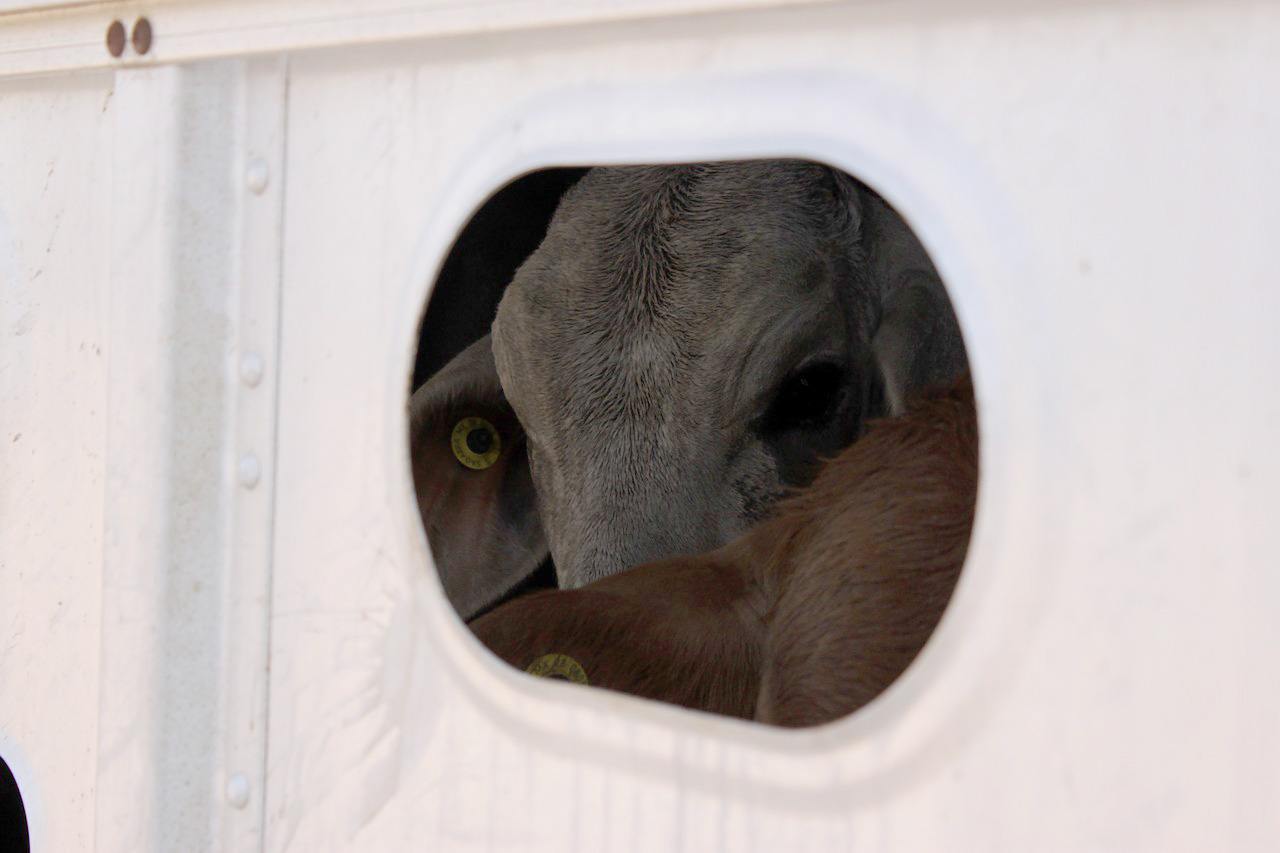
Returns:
<point x="476" y="443"/>
<point x="558" y="666"/>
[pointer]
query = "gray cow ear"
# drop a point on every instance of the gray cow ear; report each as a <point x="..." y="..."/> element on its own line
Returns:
<point x="471" y="474"/>
<point x="917" y="343"/>
<point x="917" y="340"/>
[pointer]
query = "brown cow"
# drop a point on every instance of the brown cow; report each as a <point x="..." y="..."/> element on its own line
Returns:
<point x="805" y="618"/>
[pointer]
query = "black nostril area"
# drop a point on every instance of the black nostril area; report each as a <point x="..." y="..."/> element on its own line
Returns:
<point x="479" y="440"/>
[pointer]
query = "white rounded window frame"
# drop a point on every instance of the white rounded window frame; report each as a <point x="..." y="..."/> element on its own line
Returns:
<point x="923" y="169"/>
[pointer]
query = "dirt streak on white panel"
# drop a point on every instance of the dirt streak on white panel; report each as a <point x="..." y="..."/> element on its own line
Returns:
<point x="168" y="472"/>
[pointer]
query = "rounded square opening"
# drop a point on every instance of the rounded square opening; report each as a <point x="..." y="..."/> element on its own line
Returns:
<point x="699" y="432"/>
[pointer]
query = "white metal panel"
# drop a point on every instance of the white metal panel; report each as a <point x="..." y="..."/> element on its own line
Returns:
<point x="194" y="280"/>
<point x="166" y="499"/>
<point x="55" y="199"/>
<point x="1090" y="687"/>
<point x="1098" y="185"/>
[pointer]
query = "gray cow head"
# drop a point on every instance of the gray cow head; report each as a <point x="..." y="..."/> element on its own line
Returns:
<point x="687" y="343"/>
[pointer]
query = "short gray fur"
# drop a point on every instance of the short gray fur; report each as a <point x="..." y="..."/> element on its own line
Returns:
<point x="651" y="346"/>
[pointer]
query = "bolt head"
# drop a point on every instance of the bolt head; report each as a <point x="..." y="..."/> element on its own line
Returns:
<point x="142" y="36"/>
<point x="238" y="790"/>
<point x="115" y="39"/>
<point x="256" y="175"/>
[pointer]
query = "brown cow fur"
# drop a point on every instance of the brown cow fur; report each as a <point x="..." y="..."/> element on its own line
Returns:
<point x="805" y="618"/>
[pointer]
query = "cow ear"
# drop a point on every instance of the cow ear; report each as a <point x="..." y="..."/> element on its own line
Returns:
<point x="471" y="474"/>
<point x="917" y="341"/>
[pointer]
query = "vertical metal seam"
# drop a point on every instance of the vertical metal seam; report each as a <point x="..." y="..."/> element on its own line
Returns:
<point x="283" y="149"/>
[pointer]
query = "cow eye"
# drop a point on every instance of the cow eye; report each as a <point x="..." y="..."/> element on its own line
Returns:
<point x="808" y="398"/>
<point x="475" y="443"/>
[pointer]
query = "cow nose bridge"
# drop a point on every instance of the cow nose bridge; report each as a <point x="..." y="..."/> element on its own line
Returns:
<point x="642" y="493"/>
<point x="612" y="536"/>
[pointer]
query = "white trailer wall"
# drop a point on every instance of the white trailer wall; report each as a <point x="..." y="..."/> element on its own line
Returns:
<point x="218" y="624"/>
<point x="54" y="259"/>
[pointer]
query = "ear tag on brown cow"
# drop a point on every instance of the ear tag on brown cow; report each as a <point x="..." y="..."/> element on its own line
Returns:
<point x="561" y="667"/>
<point x="475" y="443"/>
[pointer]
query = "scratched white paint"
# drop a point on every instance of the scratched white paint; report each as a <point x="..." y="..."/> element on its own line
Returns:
<point x="1096" y="181"/>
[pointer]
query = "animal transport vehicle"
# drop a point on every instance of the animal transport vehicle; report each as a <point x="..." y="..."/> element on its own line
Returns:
<point x="219" y="225"/>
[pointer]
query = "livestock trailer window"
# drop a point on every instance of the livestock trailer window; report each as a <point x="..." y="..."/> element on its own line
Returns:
<point x="697" y="432"/>
<point x="690" y="425"/>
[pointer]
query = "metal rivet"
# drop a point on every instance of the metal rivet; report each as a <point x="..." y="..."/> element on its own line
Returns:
<point x="115" y="39"/>
<point x="238" y="790"/>
<point x="251" y="369"/>
<point x="142" y="35"/>
<point x="250" y="470"/>
<point x="256" y="175"/>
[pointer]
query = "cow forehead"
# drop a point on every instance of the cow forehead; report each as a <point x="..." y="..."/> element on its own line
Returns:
<point x="652" y="281"/>
<point x="634" y="238"/>
<point x="650" y="294"/>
